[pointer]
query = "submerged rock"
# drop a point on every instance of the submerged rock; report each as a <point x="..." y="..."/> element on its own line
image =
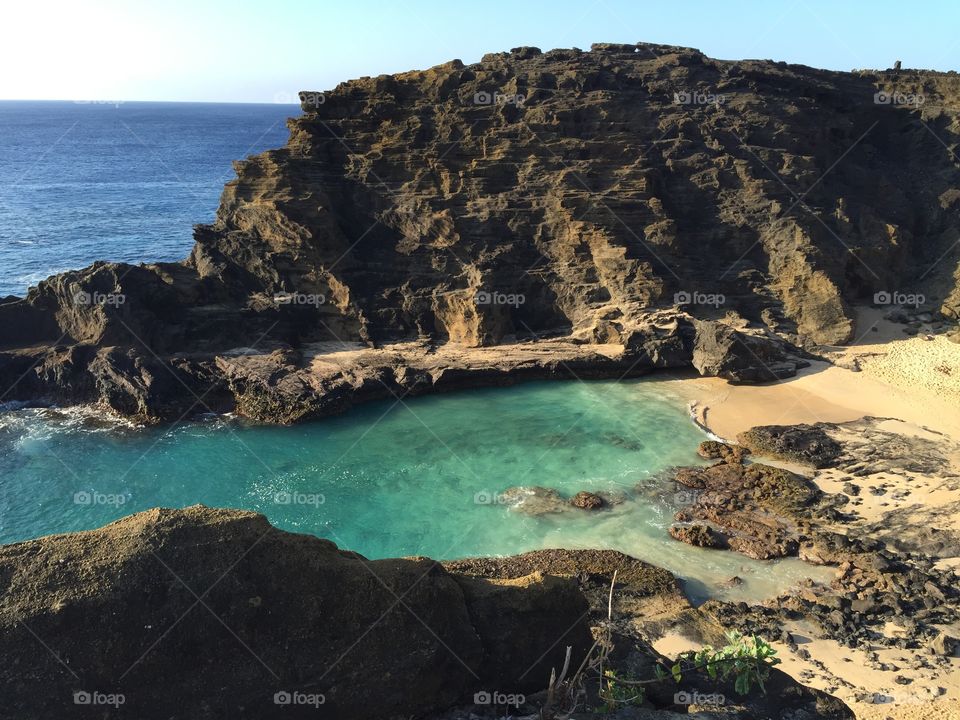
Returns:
<point x="587" y="500"/>
<point x="535" y="500"/>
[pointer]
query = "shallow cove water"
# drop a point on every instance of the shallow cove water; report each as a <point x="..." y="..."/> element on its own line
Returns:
<point x="422" y="477"/>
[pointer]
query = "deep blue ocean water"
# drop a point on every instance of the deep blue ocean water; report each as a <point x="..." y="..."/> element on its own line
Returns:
<point x="85" y="182"/>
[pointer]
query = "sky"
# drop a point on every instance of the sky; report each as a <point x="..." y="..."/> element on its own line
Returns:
<point x="267" y="51"/>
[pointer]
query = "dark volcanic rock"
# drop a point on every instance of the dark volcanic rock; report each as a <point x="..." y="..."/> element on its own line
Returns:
<point x="713" y="450"/>
<point x="757" y="508"/>
<point x="806" y="444"/>
<point x="587" y="500"/>
<point x="697" y="534"/>
<point x="213" y="612"/>
<point x="513" y="616"/>
<point x="537" y="214"/>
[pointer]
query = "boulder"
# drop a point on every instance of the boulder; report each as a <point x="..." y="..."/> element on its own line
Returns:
<point x="239" y="619"/>
<point x="805" y="444"/>
<point x="587" y="500"/>
<point x="944" y="645"/>
<point x="697" y="534"/>
<point x="721" y="351"/>
<point x="714" y="450"/>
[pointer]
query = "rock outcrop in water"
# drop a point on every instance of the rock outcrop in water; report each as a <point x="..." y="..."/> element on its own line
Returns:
<point x="531" y="215"/>
<point x="203" y="613"/>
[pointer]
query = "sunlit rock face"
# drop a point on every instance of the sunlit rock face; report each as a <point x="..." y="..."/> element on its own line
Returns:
<point x="573" y="195"/>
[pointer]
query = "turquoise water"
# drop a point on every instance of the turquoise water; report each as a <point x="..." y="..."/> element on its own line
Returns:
<point x="423" y="477"/>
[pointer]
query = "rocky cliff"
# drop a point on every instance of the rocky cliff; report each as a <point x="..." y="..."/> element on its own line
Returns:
<point x="603" y="212"/>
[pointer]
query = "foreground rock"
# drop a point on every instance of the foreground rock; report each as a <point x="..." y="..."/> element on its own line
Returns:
<point x="536" y="214"/>
<point x="646" y="602"/>
<point x="206" y="613"/>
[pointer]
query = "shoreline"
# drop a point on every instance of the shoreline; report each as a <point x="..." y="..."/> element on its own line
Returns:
<point x="910" y="387"/>
<point x="827" y="393"/>
<point x="884" y="374"/>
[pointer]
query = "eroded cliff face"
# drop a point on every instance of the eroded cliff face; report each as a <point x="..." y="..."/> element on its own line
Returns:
<point x="597" y="183"/>
<point x="565" y="194"/>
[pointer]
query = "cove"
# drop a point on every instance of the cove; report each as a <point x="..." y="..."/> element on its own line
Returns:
<point x="424" y="476"/>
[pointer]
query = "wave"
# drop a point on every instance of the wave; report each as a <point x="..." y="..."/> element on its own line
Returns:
<point x="43" y="423"/>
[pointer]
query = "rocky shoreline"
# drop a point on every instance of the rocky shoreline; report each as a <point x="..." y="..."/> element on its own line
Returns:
<point x="283" y="608"/>
<point x="894" y="606"/>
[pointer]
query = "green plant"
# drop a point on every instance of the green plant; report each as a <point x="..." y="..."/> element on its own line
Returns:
<point x="748" y="659"/>
<point x="618" y="692"/>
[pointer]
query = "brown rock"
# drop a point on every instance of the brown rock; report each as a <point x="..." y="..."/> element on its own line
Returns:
<point x="698" y="535"/>
<point x="290" y="613"/>
<point x="443" y="272"/>
<point x="713" y="450"/>
<point x="944" y="645"/>
<point x="587" y="500"/>
<point x="806" y="444"/>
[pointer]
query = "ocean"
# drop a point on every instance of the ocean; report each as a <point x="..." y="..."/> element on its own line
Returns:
<point x="123" y="182"/>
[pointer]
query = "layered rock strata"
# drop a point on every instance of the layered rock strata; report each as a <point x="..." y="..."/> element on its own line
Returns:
<point x="642" y="206"/>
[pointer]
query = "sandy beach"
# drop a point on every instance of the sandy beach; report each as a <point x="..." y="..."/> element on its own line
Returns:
<point x="911" y="379"/>
<point x="915" y="382"/>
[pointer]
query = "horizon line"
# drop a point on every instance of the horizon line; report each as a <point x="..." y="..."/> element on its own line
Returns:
<point x="179" y="102"/>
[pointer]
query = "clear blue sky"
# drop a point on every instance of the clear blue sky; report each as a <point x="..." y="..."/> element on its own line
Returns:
<point x="241" y="50"/>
